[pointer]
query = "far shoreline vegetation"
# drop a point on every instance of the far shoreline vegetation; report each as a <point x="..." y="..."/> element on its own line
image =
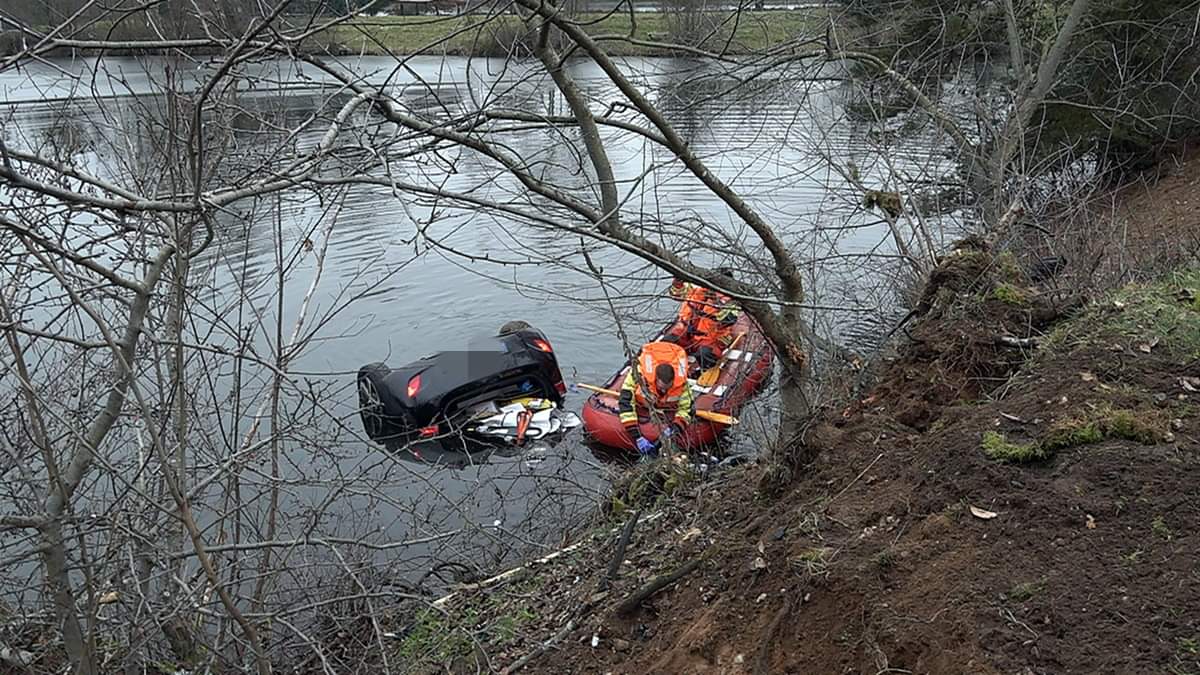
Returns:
<point x="478" y="34"/>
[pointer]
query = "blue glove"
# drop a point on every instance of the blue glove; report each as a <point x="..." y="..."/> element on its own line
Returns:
<point x="669" y="431"/>
<point x="645" y="447"/>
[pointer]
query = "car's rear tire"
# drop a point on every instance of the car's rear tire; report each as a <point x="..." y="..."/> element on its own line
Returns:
<point x="370" y="404"/>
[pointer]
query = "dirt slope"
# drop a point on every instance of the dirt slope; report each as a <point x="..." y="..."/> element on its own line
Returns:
<point x="1019" y="494"/>
<point x="875" y="563"/>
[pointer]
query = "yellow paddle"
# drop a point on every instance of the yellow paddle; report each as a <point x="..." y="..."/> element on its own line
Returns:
<point x="717" y="418"/>
<point x="709" y="377"/>
<point x="711" y="416"/>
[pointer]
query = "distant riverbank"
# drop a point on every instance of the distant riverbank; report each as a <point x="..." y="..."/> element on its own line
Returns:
<point x="645" y="34"/>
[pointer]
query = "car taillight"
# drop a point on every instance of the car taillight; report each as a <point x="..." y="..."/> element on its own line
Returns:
<point x="560" y="387"/>
<point x="543" y="345"/>
<point x="414" y="385"/>
<point x="429" y="431"/>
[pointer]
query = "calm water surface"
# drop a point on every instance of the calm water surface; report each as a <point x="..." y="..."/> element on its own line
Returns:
<point x="774" y="143"/>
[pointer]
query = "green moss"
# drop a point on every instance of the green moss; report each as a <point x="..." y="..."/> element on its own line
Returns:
<point x="996" y="446"/>
<point x="1010" y="295"/>
<point x="1147" y="428"/>
<point x="1072" y="434"/>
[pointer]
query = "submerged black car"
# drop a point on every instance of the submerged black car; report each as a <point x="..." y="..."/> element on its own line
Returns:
<point x="438" y="394"/>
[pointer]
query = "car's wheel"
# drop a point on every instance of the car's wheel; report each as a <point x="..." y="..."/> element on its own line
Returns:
<point x="370" y="403"/>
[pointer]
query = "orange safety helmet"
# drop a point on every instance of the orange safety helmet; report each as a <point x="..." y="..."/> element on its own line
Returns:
<point x="655" y="354"/>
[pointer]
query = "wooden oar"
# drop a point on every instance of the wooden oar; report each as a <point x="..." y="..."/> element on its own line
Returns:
<point x="711" y="416"/>
<point x="709" y="377"/>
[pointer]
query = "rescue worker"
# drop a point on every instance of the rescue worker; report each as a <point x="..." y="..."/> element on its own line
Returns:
<point x="706" y="318"/>
<point x="656" y="388"/>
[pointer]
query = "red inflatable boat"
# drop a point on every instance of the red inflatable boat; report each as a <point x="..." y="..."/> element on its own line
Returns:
<point x="745" y="370"/>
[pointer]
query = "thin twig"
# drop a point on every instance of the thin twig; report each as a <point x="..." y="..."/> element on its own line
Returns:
<point x="860" y="475"/>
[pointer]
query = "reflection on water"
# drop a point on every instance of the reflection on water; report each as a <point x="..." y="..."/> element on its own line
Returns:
<point x="773" y="140"/>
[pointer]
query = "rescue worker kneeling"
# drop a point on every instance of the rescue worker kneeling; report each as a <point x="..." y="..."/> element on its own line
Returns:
<point x="656" y="389"/>
<point x="705" y="323"/>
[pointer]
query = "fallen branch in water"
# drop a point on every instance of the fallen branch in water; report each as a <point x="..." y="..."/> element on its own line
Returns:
<point x="631" y="604"/>
<point x="614" y="565"/>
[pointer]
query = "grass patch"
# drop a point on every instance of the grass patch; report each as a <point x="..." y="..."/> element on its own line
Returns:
<point x="1167" y="311"/>
<point x="434" y="638"/>
<point x="478" y="34"/>
<point x="437" y="638"/>
<point x="996" y="446"/>
<point x="506" y="627"/>
<point x="810" y="522"/>
<point x="814" y="561"/>
<point x="1026" y="591"/>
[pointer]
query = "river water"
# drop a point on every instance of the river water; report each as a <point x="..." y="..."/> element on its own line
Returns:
<point x="399" y="297"/>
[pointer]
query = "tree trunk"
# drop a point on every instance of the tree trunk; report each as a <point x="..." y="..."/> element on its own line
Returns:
<point x="785" y="328"/>
<point x="58" y="583"/>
